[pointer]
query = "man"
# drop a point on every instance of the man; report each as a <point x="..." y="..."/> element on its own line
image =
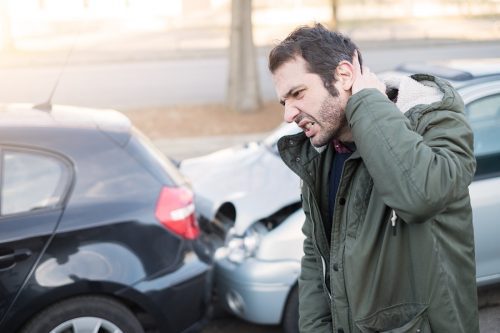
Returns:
<point x="389" y="242"/>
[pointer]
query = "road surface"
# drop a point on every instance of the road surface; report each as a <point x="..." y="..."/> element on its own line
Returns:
<point x="138" y="84"/>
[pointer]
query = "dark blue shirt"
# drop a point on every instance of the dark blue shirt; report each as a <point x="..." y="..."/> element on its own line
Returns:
<point x="335" y="175"/>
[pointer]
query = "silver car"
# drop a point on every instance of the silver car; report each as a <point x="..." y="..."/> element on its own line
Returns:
<point x="255" y="202"/>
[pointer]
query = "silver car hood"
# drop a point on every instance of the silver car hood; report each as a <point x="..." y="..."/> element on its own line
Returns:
<point x="251" y="177"/>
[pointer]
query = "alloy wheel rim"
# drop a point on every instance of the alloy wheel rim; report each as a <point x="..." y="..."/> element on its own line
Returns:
<point x="87" y="325"/>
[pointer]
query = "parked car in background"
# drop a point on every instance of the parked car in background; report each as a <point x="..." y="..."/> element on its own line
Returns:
<point x="98" y="231"/>
<point x="259" y="203"/>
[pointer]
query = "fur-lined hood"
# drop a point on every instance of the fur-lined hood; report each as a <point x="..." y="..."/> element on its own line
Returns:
<point x="411" y="92"/>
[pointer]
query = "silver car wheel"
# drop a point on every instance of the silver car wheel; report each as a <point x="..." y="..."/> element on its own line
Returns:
<point x="87" y="325"/>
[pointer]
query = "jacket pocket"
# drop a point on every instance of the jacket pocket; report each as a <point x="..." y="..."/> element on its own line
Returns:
<point x="403" y="318"/>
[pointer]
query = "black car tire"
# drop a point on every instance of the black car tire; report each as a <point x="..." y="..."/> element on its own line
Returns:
<point x="107" y="309"/>
<point x="291" y="314"/>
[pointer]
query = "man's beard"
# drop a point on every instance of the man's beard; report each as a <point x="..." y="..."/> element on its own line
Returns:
<point x="332" y="121"/>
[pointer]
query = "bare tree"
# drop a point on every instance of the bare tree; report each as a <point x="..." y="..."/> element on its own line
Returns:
<point x="7" y="41"/>
<point x="243" y="85"/>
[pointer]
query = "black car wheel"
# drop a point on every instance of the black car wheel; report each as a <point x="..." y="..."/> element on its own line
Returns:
<point x="291" y="315"/>
<point x="85" y="314"/>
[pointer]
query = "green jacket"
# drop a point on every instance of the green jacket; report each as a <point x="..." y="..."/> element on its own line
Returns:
<point x="417" y="275"/>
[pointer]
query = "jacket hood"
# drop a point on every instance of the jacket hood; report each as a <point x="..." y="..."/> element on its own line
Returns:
<point x="422" y="91"/>
<point x="412" y="92"/>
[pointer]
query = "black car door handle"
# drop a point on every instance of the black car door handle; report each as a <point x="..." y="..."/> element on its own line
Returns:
<point x="16" y="255"/>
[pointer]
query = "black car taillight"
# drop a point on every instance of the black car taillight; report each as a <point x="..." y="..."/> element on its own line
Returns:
<point x="175" y="210"/>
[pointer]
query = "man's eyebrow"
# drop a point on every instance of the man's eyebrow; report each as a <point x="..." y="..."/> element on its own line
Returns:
<point x="289" y="93"/>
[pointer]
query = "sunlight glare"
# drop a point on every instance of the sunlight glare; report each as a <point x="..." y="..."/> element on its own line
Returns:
<point x="49" y="24"/>
<point x="426" y="9"/>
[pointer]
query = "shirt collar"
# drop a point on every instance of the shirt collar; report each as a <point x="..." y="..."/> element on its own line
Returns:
<point x="343" y="148"/>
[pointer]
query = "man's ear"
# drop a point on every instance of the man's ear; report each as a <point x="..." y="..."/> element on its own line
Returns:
<point x="344" y="74"/>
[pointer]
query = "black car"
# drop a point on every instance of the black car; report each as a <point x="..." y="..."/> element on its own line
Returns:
<point x="98" y="231"/>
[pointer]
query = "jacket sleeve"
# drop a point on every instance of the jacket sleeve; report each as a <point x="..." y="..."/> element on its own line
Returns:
<point x="417" y="173"/>
<point x="314" y="309"/>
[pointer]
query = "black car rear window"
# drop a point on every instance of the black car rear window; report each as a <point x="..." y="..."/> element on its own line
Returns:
<point x="146" y="153"/>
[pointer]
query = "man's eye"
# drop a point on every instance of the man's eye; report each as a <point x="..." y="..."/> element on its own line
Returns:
<point x="298" y="94"/>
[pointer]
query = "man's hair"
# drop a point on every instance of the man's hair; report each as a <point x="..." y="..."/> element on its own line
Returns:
<point x="321" y="48"/>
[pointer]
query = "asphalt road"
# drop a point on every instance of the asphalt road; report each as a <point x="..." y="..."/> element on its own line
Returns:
<point x="489" y="320"/>
<point x="231" y="325"/>
<point x="136" y="84"/>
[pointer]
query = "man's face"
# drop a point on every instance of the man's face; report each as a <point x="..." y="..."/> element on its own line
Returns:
<point x="309" y="104"/>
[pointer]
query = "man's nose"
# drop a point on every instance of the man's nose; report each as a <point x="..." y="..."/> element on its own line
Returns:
<point x="291" y="112"/>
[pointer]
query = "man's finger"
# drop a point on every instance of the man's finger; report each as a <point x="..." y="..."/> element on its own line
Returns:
<point x="355" y="63"/>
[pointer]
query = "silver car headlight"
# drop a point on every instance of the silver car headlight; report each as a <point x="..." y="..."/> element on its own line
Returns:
<point x="239" y="248"/>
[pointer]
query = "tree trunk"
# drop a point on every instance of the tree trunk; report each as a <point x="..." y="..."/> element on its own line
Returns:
<point x="334" y="23"/>
<point x="243" y="85"/>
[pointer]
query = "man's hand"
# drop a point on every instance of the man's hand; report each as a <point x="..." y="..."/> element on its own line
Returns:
<point x="365" y="79"/>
